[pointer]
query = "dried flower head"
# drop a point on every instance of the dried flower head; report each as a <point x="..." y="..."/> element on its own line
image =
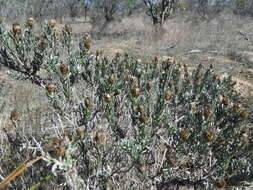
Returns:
<point x="36" y="37"/>
<point x="114" y="71"/>
<point x="108" y="98"/>
<point x="244" y="115"/>
<point x="87" y="41"/>
<point x="143" y="119"/>
<point x="99" y="63"/>
<point x="112" y="79"/>
<point x="220" y="183"/>
<point x="81" y="132"/>
<point x="87" y="102"/>
<point x="244" y="137"/>
<point x="207" y="112"/>
<point x="51" y="88"/>
<point x="14" y="115"/>
<point x="117" y="92"/>
<point x="57" y="32"/>
<point x="216" y="77"/>
<point x="99" y="52"/>
<point x="16" y="28"/>
<point x="140" y="168"/>
<point x="167" y="95"/>
<point x="55" y="147"/>
<point x="236" y="107"/>
<point x="133" y="82"/>
<point x="67" y="29"/>
<point x="184" y="134"/>
<point x="135" y="92"/>
<point x="127" y="76"/>
<point x="140" y="108"/>
<point x="64" y="69"/>
<point x="30" y="22"/>
<point x="43" y="44"/>
<point x="149" y="85"/>
<point x="193" y="106"/>
<point x="172" y="161"/>
<point x="171" y="60"/>
<point x="224" y="100"/>
<point x="51" y="23"/>
<point x="209" y="134"/>
<point x="99" y="137"/>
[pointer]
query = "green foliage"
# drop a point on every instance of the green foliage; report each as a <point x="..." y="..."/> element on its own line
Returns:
<point x="157" y="122"/>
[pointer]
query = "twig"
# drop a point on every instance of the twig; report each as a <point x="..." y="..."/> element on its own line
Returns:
<point x="19" y="170"/>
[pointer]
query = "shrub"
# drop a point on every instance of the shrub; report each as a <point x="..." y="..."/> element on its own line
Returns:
<point x="120" y="122"/>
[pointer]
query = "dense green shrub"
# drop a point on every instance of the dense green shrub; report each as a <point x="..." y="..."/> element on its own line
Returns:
<point x="123" y="123"/>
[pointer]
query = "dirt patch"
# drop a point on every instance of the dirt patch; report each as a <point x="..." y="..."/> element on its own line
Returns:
<point x="244" y="88"/>
<point x="246" y="56"/>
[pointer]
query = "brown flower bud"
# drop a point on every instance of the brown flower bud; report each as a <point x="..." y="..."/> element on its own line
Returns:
<point x="244" y="137"/>
<point x="51" y="23"/>
<point x="224" y="100"/>
<point x="108" y="98"/>
<point x="193" y="107"/>
<point x="143" y="119"/>
<point x="127" y="77"/>
<point x="220" y="183"/>
<point x="30" y="22"/>
<point x="133" y="82"/>
<point x="172" y="161"/>
<point x="99" y="52"/>
<point x="56" y="147"/>
<point x="99" y="63"/>
<point x="216" y="77"/>
<point x="112" y="79"/>
<point x="243" y="115"/>
<point x="236" y="107"/>
<point x="135" y="92"/>
<point x="171" y="60"/>
<point x="36" y="37"/>
<point x="68" y="29"/>
<point x="87" y="41"/>
<point x="14" y="115"/>
<point x="57" y="32"/>
<point x="87" y="102"/>
<point x="209" y="134"/>
<point x="140" y="168"/>
<point x="51" y="88"/>
<point x="184" y="134"/>
<point x="167" y="95"/>
<point x="149" y="85"/>
<point x="81" y="132"/>
<point x="43" y="44"/>
<point x="117" y="92"/>
<point x="64" y="69"/>
<point x="140" y="108"/>
<point x="99" y="137"/>
<point x="16" y="28"/>
<point x="189" y="82"/>
<point x="207" y="112"/>
<point x="114" y="71"/>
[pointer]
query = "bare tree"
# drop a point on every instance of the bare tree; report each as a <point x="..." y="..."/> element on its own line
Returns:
<point x="159" y="10"/>
<point x="202" y="7"/>
<point x="106" y="8"/>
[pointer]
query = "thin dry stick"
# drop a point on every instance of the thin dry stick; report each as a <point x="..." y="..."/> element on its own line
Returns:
<point x="19" y="170"/>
